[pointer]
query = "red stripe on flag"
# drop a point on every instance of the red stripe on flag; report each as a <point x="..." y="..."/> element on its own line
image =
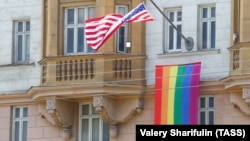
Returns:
<point x="98" y="30"/>
<point x="158" y="94"/>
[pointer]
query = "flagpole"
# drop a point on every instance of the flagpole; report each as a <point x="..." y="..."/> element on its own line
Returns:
<point x="188" y="41"/>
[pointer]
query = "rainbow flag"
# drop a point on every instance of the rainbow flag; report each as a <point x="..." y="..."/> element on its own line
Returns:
<point x="176" y="93"/>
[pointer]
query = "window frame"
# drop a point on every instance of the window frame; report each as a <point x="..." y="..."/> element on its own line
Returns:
<point x="209" y="21"/>
<point x="90" y="116"/>
<point x="25" y="49"/>
<point x="176" y="35"/>
<point x="125" y="27"/>
<point x="206" y="109"/>
<point x="21" y="121"/>
<point x="75" y="27"/>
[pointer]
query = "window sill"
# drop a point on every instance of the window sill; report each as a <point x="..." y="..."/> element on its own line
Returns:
<point x="17" y="65"/>
<point x="179" y="53"/>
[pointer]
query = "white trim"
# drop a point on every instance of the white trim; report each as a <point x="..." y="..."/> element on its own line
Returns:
<point x="206" y="109"/>
<point x="125" y="30"/>
<point x="167" y="27"/>
<point x="21" y="119"/>
<point x="91" y="116"/>
<point x="75" y="27"/>
<point x="209" y="20"/>
<point x="25" y="51"/>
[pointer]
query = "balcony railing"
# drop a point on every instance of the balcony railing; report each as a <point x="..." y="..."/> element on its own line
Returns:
<point x="240" y="59"/>
<point x="93" y="68"/>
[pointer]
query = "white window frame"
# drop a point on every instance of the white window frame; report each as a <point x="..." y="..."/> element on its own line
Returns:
<point x="90" y="117"/>
<point x="75" y="27"/>
<point x="21" y="121"/>
<point x="176" y="35"/>
<point x="209" y="21"/>
<point x="206" y="109"/>
<point x="25" y="34"/>
<point x="125" y="27"/>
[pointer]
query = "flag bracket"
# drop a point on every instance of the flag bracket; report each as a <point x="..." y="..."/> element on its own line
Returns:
<point x="189" y="42"/>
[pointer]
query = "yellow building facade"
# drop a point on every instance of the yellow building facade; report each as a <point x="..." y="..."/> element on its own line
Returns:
<point x="86" y="95"/>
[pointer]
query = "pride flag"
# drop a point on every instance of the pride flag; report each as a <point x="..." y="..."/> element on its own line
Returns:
<point x="176" y="93"/>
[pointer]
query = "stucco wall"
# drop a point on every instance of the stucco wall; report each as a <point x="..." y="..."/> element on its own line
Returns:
<point x="40" y="129"/>
<point x="215" y="64"/>
<point x="225" y="113"/>
<point x="20" y="77"/>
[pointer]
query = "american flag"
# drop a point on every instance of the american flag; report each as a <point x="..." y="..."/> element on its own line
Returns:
<point x="98" y="30"/>
<point x="138" y="14"/>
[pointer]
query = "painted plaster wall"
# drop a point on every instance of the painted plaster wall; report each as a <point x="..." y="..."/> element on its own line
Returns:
<point x="215" y="64"/>
<point x="16" y="78"/>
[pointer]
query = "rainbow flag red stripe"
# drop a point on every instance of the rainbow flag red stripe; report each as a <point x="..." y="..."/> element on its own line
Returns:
<point x="176" y="93"/>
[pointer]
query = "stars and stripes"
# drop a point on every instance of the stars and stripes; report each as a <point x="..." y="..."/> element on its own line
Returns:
<point x="98" y="30"/>
<point x="138" y="14"/>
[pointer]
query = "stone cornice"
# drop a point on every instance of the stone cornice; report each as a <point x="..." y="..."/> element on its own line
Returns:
<point x="232" y="82"/>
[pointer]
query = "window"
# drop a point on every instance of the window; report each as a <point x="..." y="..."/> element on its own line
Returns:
<point x="173" y="37"/>
<point x="20" y="122"/>
<point x="206" y="112"/>
<point x="75" y="42"/>
<point x="22" y="41"/>
<point x="208" y="29"/>
<point x="122" y="33"/>
<point x="92" y="128"/>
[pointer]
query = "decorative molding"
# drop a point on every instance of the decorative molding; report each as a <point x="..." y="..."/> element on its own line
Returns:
<point x="51" y="108"/>
<point x="54" y="118"/>
<point x="100" y="108"/>
<point x="238" y="102"/>
<point x="99" y="102"/>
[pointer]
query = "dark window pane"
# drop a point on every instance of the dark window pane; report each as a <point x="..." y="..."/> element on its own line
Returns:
<point x="211" y="117"/>
<point x="179" y="16"/>
<point x="202" y="118"/>
<point x="178" y="38"/>
<point x="24" y="134"/>
<point x="211" y="102"/>
<point x="80" y="39"/>
<point x="85" y="130"/>
<point x="70" y="40"/>
<point x="25" y="112"/>
<point x="70" y="16"/>
<point x="20" y="26"/>
<point x="105" y="131"/>
<point x="17" y="128"/>
<point x="171" y="16"/>
<point x="27" y="26"/>
<point x="81" y="15"/>
<point x="213" y="34"/>
<point x="85" y="109"/>
<point x="213" y="12"/>
<point x="27" y="50"/>
<point x="19" y="47"/>
<point x="202" y="102"/>
<point x="171" y="38"/>
<point x="204" y="35"/>
<point x="95" y="129"/>
<point x="121" y="39"/>
<point x="90" y="50"/>
<point x="17" y="113"/>
<point x="204" y="13"/>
